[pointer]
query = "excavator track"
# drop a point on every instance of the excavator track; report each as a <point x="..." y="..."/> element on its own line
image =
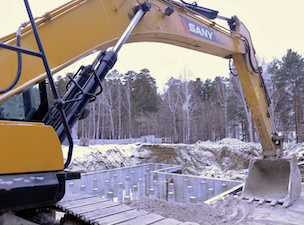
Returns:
<point x="94" y="210"/>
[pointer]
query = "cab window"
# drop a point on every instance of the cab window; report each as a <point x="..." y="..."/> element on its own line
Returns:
<point x="24" y="106"/>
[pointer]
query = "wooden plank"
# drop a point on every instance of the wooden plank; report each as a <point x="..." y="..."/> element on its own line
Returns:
<point x="94" y="207"/>
<point x="121" y="217"/>
<point x="98" y="210"/>
<point x="167" y="222"/>
<point x="70" y="197"/>
<point x="82" y="202"/>
<point x="150" y="218"/>
<point x="104" y="212"/>
<point x="88" y="213"/>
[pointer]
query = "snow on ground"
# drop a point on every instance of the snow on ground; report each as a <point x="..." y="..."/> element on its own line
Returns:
<point x="101" y="157"/>
<point x="293" y="148"/>
<point x="227" y="158"/>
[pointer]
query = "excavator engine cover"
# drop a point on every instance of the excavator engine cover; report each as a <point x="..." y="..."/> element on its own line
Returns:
<point x="274" y="180"/>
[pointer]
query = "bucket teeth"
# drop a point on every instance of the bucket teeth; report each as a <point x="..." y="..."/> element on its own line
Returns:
<point x="250" y="200"/>
<point x="287" y="203"/>
<point x="274" y="202"/>
<point x="262" y="201"/>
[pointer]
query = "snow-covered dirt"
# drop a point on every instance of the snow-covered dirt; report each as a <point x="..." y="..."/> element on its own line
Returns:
<point x="227" y="158"/>
<point x="231" y="210"/>
<point x="102" y="157"/>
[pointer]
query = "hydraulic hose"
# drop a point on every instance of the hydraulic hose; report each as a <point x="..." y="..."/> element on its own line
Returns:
<point x="256" y="70"/>
<point x="19" y="64"/>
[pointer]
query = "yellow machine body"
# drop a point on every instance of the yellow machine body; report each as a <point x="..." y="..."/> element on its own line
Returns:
<point x="28" y="147"/>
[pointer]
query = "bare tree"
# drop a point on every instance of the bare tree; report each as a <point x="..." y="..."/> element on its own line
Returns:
<point x="128" y="97"/>
<point x="220" y="88"/>
<point x="117" y="76"/>
<point x="242" y="99"/>
<point x="108" y="102"/>
<point x="98" y="103"/>
<point x="185" y="96"/>
<point x="171" y="98"/>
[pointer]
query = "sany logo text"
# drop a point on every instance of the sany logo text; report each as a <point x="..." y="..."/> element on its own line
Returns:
<point x="201" y="31"/>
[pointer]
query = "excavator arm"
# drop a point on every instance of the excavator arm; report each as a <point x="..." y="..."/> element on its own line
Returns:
<point x="67" y="37"/>
<point x="81" y="27"/>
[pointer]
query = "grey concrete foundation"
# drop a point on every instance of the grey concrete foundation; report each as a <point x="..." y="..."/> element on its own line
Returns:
<point x="155" y="180"/>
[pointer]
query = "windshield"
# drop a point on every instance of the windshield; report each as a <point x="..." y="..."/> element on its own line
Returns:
<point x="22" y="106"/>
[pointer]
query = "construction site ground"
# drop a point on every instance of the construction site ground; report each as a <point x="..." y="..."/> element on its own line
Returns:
<point x="227" y="158"/>
<point x="230" y="210"/>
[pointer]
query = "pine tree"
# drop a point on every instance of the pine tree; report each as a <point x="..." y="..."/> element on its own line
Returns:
<point x="288" y="76"/>
<point x="144" y="93"/>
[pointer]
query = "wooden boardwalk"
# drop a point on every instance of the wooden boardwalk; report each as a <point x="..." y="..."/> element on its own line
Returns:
<point x="97" y="210"/>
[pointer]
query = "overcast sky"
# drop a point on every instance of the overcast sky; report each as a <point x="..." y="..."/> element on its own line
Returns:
<point x="274" y="27"/>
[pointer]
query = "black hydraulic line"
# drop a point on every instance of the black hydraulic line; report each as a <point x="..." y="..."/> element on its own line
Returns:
<point x="248" y="50"/>
<point x="266" y="92"/>
<point x="19" y="64"/>
<point x="230" y="68"/>
<point x="58" y="102"/>
<point x="209" y="13"/>
<point x="257" y="70"/>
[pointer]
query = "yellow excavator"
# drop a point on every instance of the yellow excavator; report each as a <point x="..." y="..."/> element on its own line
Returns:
<point x="32" y="167"/>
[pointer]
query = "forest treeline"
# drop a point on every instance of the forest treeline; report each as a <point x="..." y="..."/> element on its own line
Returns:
<point x="191" y="109"/>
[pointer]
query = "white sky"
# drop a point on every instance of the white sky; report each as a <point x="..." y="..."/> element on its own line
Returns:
<point x="274" y="27"/>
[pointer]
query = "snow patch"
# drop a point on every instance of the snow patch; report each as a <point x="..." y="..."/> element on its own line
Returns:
<point x="227" y="158"/>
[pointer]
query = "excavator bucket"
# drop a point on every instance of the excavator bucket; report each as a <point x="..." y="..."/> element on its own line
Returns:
<point x="274" y="180"/>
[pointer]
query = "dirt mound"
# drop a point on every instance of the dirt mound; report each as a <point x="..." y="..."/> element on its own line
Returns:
<point x="199" y="213"/>
<point x="230" y="210"/>
<point x="228" y="158"/>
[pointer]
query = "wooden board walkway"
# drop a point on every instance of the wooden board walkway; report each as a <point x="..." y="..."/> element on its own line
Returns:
<point x="97" y="210"/>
